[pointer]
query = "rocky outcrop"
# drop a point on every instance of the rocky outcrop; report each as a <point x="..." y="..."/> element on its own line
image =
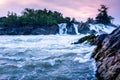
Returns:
<point x="89" y="38"/>
<point x="70" y="29"/>
<point x="94" y="40"/>
<point x="83" y="28"/>
<point x="30" y="30"/>
<point x="107" y="56"/>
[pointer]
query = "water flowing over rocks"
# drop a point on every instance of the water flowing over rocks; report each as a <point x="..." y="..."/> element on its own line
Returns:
<point x="62" y="28"/>
<point x="107" y="56"/>
<point x="107" y="52"/>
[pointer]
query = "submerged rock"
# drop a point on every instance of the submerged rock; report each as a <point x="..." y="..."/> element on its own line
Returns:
<point x="107" y="56"/>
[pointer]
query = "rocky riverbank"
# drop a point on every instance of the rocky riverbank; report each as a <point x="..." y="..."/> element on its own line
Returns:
<point x="107" y="56"/>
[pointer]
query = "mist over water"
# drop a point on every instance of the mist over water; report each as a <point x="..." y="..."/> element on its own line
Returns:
<point x="50" y="57"/>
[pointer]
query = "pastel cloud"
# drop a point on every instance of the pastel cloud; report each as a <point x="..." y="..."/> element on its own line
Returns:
<point x="80" y="9"/>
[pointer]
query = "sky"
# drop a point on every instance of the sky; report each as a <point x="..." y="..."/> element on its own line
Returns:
<point x="79" y="9"/>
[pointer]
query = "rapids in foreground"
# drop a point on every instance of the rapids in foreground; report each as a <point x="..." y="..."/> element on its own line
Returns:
<point x="45" y="58"/>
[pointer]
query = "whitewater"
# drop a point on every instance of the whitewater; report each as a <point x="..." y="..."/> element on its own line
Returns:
<point x="50" y="57"/>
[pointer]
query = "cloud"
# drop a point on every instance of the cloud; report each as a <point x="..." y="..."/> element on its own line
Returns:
<point x="80" y="9"/>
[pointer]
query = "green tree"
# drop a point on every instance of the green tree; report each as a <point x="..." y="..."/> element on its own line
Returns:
<point x="12" y="20"/>
<point x="90" y="20"/>
<point x="103" y="16"/>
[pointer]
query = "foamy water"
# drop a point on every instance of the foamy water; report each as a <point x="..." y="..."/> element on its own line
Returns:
<point x="45" y="58"/>
<point x="101" y="28"/>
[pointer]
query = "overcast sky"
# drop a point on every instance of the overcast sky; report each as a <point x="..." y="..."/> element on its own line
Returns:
<point x="80" y="9"/>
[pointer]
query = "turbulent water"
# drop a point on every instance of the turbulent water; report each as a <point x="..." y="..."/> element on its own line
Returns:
<point x="45" y="58"/>
<point x="101" y="28"/>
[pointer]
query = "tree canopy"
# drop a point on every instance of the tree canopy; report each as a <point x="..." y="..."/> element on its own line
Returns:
<point x="31" y="17"/>
<point x="103" y="16"/>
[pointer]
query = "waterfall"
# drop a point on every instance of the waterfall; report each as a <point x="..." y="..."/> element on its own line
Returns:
<point x="76" y="28"/>
<point x="101" y="28"/>
<point x="62" y="28"/>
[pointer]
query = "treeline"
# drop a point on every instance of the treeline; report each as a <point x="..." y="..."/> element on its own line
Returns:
<point x="34" y="18"/>
<point x="31" y="17"/>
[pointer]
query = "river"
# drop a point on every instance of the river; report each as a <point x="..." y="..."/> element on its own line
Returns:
<point x="45" y="57"/>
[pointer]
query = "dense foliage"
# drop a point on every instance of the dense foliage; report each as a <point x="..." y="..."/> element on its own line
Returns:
<point x="31" y="17"/>
<point x="103" y="16"/>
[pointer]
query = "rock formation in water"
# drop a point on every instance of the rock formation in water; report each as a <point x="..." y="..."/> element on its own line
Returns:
<point x="62" y="28"/>
<point x="84" y="28"/>
<point x="89" y="38"/>
<point x="27" y="30"/>
<point x="107" y="56"/>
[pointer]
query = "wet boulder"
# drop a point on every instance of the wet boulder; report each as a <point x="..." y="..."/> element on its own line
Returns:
<point x="107" y="56"/>
<point x="71" y="29"/>
<point x="83" y="28"/>
<point x="88" y="38"/>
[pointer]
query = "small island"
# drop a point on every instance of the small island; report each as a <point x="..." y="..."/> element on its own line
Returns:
<point x="45" y="22"/>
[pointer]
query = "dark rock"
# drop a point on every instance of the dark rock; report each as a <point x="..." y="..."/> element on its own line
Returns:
<point x="86" y="38"/>
<point x="46" y="30"/>
<point x="30" y="30"/>
<point x="70" y="29"/>
<point x="100" y="39"/>
<point x="107" y="56"/>
<point x="94" y="40"/>
<point x="83" y="28"/>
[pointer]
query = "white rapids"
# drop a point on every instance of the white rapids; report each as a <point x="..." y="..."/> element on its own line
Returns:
<point x="101" y="28"/>
<point x="50" y="57"/>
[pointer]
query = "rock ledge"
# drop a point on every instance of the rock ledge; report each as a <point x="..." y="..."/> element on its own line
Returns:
<point x="107" y="56"/>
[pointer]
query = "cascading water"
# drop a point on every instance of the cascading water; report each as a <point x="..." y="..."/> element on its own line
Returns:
<point x="62" y="28"/>
<point x="50" y="57"/>
<point x="76" y="28"/>
<point x="101" y="28"/>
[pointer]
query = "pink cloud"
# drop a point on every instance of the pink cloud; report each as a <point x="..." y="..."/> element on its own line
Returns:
<point x="80" y="9"/>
